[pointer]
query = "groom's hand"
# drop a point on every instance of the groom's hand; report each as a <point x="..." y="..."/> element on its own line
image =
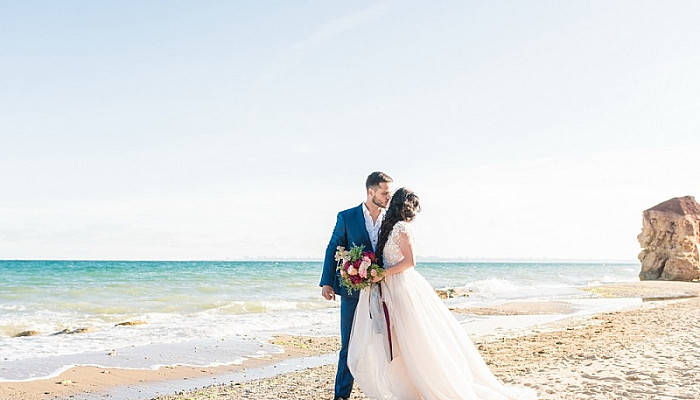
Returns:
<point x="327" y="292"/>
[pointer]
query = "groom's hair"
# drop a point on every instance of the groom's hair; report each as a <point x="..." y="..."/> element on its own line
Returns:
<point x="375" y="178"/>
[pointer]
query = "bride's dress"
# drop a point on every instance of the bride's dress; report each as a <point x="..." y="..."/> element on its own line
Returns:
<point x="433" y="358"/>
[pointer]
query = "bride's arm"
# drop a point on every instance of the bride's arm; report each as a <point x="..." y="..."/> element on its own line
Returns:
<point x="408" y="261"/>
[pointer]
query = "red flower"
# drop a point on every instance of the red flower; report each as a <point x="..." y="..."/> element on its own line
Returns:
<point x="372" y="257"/>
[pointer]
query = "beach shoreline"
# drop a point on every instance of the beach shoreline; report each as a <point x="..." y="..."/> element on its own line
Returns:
<point x="515" y="358"/>
<point x="92" y="381"/>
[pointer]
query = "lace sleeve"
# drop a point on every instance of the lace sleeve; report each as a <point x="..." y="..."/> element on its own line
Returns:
<point x="400" y="235"/>
<point x="404" y="234"/>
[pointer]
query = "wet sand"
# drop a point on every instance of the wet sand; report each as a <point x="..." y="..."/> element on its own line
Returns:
<point x="88" y="381"/>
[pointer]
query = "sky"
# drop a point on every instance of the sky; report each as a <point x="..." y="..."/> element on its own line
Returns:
<point x="212" y="130"/>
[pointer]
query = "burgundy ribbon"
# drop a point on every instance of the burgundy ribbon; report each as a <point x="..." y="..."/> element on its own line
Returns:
<point x="388" y="324"/>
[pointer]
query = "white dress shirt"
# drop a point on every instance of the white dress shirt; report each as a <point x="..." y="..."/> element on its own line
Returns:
<point x="373" y="226"/>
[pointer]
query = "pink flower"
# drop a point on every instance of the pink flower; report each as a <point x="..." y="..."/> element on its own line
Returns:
<point x="352" y="271"/>
<point x="363" y="268"/>
<point x="344" y="273"/>
<point x="373" y="273"/>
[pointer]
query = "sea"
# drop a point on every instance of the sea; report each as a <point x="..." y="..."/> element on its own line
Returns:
<point x="206" y="313"/>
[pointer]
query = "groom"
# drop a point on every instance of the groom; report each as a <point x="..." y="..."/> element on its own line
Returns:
<point x="356" y="226"/>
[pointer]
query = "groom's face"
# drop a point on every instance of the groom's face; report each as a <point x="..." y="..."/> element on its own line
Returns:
<point x="381" y="194"/>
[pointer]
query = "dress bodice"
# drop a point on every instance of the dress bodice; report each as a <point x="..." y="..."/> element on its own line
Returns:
<point x="401" y="233"/>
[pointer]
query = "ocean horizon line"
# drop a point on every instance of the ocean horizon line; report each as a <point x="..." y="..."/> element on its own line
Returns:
<point x="419" y="259"/>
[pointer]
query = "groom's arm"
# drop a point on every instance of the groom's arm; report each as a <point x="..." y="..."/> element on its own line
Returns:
<point x="338" y="238"/>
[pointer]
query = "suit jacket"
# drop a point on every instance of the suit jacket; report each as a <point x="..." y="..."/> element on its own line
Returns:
<point x="349" y="229"/>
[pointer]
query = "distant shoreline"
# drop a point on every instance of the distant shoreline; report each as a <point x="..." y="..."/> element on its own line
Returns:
<point x="318" y="260"/>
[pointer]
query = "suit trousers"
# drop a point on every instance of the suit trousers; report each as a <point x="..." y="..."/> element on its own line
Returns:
<point x="343" y="378"/>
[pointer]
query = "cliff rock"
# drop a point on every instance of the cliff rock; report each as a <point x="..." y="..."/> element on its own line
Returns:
<point x="131" y="323"/>
<point x="670" y="240"/>
<point x="449" y="293"/>
<point x="27" y="333"/>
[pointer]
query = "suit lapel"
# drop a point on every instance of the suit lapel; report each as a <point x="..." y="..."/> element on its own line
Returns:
<point x="362" y="227"/>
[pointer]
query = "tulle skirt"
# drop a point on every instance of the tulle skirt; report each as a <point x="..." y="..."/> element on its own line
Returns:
<point x="430" y="356"/>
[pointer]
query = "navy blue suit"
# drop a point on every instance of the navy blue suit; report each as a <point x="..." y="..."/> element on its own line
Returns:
<point x="349" y="229"/>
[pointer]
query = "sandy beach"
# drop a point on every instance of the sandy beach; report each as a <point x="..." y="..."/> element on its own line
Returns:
<point x="650" y="352"/>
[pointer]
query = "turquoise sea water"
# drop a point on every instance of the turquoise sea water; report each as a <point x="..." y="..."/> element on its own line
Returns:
<point x="204" y="313"/>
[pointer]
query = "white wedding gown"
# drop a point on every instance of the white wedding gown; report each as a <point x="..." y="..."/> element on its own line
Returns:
<point x="433" y="358"/>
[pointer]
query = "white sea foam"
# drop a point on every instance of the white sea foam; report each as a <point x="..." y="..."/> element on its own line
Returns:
<point x="166" y="339"/>
<point x="494" y="286"/>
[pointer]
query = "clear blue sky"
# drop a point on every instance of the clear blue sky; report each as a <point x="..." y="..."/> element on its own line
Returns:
<point x="219" y="129"/>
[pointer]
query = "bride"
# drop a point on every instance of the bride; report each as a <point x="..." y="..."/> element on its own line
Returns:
<point x="405" y="344"/>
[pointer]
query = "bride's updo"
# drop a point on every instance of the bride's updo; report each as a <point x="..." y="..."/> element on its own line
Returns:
<point x="404" y="206"/>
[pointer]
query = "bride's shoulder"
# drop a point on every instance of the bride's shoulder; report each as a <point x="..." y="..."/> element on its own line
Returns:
<point x="401" y="224"/>
<point x="402" y="227"/>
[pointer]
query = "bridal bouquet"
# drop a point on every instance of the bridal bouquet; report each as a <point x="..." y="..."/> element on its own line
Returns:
<point x="357" y="268"/>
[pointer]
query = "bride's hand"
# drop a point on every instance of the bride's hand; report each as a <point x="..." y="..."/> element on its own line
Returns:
<point x="380" y="277"/>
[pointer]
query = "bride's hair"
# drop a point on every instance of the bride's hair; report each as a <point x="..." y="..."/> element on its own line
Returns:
<point x="404" y="206"/>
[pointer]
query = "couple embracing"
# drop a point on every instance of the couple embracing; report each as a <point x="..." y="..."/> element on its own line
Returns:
<point x="418" y="351"/>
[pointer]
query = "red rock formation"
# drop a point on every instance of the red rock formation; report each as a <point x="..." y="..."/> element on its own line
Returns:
<point x="670" y="240"/>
